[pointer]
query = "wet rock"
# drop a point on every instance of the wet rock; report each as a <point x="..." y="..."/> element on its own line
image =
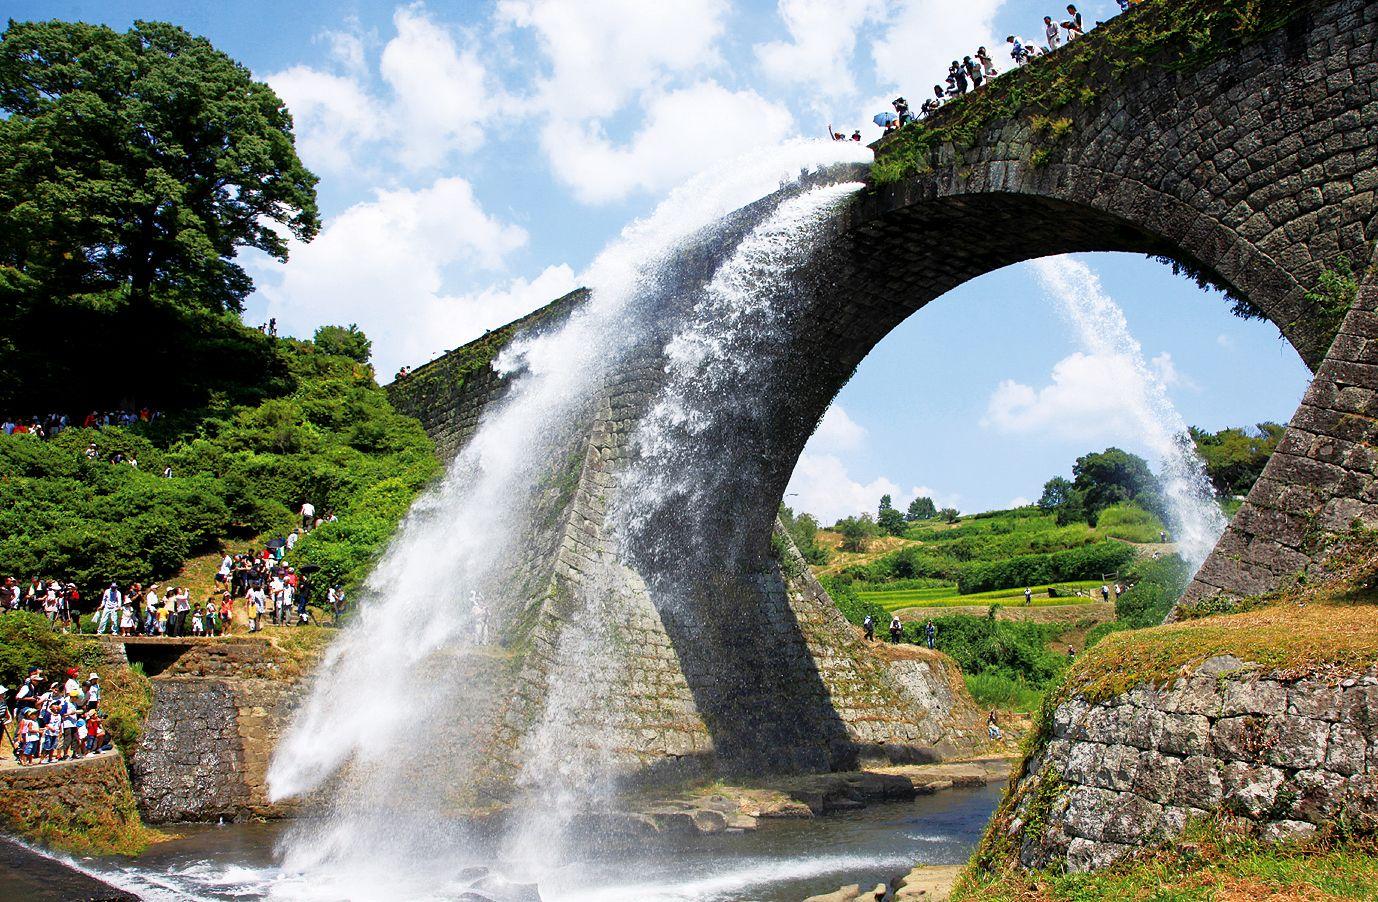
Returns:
<point x="845" y="894"/>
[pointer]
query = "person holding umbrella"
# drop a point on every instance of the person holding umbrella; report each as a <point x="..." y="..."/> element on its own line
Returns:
<point x="886" y="121"/>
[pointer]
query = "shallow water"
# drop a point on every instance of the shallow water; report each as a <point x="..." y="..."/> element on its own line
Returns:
<point x="783" y="860"/>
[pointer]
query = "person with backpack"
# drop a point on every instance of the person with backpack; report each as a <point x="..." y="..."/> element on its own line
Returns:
<point x="869" y="627"/>
<point x="896" y="628"/>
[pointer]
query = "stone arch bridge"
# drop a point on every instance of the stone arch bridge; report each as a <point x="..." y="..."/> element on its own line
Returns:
<point x="1255" y="170"/>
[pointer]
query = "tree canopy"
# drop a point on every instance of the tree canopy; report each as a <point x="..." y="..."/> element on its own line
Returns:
<point x="1235" y="457"/>
<point x="134" y="167"/>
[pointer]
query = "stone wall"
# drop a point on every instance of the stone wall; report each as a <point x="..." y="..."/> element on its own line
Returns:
<point x="1256" y="169"/>
<point x="1114" y="776"/>
<point x="1320" y="480"/>
<point x="84" y="806"/>
<point x="219" y="707"/>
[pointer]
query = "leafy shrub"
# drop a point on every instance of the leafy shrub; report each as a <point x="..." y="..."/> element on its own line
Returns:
<point x="1011" y="649"/>
<point x="1088" y="562"/>
<point x="1130" y="522"/>
<point x="850" y="604"/>
<point x="995" y="690"/>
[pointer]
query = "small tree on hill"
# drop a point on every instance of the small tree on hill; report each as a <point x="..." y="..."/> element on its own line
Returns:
<point x="922" y="508"/>
<point x="889" y="518"/>
<point x="856" y="532"/>
<point x="948" y="515"/>
<point x="346" y="341"/>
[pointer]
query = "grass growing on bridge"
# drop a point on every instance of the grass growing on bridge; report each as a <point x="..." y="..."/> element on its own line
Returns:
<point x="1167" y="34"/>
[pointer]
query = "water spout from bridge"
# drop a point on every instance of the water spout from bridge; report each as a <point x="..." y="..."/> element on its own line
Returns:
<point x="1103" y="331"/>
<point x="380" y="737"/>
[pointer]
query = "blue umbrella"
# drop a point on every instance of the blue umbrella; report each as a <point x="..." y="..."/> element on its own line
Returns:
<point x="884" y="119"/>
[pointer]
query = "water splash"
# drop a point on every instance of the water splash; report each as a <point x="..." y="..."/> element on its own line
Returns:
<point x="377" y="735"/>
<point x="1100" y="324"/>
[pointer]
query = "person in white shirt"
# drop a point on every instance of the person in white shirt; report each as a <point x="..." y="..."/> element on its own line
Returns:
<point x="1050" y="29"/>
<point x="110" y="603"/>
<point x="308" y="514"/>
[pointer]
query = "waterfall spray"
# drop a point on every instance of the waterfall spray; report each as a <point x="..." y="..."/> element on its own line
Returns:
<point x="1103" y="331"/>
<point x="376" y="735"/>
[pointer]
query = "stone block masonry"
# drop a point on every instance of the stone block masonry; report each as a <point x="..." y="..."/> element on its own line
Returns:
<point x="1321" y="480"/>
<point x="1257" y="170"/>
<point x="219" y="706"/>
<point x="1292" y="756"/>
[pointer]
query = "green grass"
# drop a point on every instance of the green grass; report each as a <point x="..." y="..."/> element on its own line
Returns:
<point x="1215" y="863"/>
<point x="994" y="690"/>
<point x="1129" y="522"/>
<point x="947" y="596"/>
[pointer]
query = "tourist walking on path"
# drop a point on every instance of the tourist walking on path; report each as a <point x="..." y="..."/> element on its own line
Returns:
<point x="110" y="603"/>
<point x="896" y="628"/>
<point x="869" y="626"/>
<point x="1028" y="596"/>
<point x="931" y="634"/>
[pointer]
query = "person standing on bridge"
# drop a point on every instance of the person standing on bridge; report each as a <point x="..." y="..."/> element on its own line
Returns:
<point x="1050" y="31"/>
<point x="110" y="603"/>
<point x="1073" y="25"/>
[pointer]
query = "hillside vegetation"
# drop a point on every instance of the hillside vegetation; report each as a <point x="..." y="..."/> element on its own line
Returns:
<point x="237" y="471"/>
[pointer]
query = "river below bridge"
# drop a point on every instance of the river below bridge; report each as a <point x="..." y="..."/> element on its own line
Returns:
<point x="783" y="861"/>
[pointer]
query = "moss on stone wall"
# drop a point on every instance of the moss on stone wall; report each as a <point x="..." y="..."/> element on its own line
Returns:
<point x="446" y="376"/>
<point x="1165" y="34"/>
<point x="84" y="807"/>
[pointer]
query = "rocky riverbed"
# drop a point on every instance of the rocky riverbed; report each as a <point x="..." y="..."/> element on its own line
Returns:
<point x="723" y="807"/>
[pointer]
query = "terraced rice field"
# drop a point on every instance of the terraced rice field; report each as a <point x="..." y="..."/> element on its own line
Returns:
<point x="946" y="596"/>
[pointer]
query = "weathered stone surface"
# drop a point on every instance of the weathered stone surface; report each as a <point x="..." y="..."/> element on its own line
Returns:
<point x="1299" y="760"/>
<point x="1265" y="207"/>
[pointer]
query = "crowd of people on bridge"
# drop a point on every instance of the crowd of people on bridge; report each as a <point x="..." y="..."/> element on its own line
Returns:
<point x="974" y="70"/>
<point x="49" y="721"/>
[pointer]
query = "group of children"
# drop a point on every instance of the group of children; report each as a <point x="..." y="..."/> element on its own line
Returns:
<point x="60" y="723"/>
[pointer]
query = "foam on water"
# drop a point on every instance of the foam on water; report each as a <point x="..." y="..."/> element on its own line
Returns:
<point x="1101" y="327"/>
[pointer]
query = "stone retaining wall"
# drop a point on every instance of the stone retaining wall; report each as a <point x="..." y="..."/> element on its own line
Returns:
<point x="84" y="806"/>
<point x="218" y="710"/>
<point x="1115" y="776"/>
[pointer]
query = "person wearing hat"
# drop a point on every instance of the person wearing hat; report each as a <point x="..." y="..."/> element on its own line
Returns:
<point x="110" y="603"/>
<point x="29" y="690"/>
<point x="28" y="733"/>
<point x="93" y="690"/>
<point x="72" y="688"/>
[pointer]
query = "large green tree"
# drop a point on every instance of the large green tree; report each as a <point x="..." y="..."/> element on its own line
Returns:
<point x="134" y="167"/>
<point x="1234" y="458"/>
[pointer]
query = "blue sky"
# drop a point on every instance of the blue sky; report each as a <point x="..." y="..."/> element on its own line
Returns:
<point x="474" y="156"/>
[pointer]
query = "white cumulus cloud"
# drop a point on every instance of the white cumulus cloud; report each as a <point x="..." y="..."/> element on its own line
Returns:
<point x="683" y="132"/>
<point x="837" y="431"/>
<point x="823" y="36"/>
<point x="1092" y="394"/>
<point x="822" y="486"/>
<point x="433" y="98"/>
<point x="601" y="53"/>
<point x="381" y="264"/>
